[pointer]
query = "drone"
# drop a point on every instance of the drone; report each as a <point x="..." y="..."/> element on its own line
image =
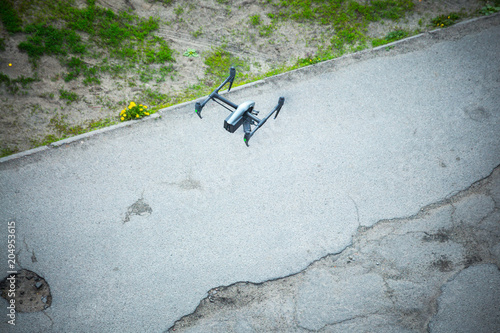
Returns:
<point x="243" y="114"/>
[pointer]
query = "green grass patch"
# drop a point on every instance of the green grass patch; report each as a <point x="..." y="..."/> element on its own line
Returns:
<point x="63" y="129"/>
<point x="125" y="36"/>
<point x="6" y="151"/>
<point x="14" y="85"/>
<point x="9" y="17"/>
<point x="266" y="29"/>
<point x="218" y="62"/>
<point x="68" y="96"/>
<point x="489" y="9"/>
<point x="109" y="29"/>
<point x="255" y="20"/>
<point x="348" y="18"/>
<point x="390" y="37"/>
<point x="47" y="40"/>
<point x="154" y="97"/>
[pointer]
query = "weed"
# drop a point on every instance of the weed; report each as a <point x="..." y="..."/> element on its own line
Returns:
<point x="164" y="72"/>
<point x="2" y="44"/>
<point x="489" y="9"/>
<point x="266" y="30"/>
<point x="445" y="20"/>
<point x="178" y="10"/>
<point x="190" y="53"/>
<point x="9" y="17"/>
<point x="197" y="33"/>
<point x="134" y="111"/>
<point x="255" y="20"/>
<point x="69" y="96"/>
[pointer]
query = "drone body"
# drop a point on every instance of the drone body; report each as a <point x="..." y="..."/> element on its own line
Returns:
<point x="243" y="114"/>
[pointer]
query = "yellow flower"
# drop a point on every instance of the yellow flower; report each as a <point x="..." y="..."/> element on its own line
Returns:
<point x="146" y="113"/>
<point x="137" y="116"/>
<point x="132" y="104"/>
<point x="140" y="109"/>
<point x="122" y="118"/>
<point x="442" y="25"/>
<point x="145" y="107"/>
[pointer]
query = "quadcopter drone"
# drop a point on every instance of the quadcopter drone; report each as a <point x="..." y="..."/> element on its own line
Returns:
<point x="243" y="114"/>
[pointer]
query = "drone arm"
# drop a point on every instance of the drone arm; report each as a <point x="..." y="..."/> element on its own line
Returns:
<point x="215" y="94"/>
<point x="249" y="134"/>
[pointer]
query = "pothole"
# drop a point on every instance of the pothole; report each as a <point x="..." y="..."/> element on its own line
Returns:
<point x="29" y="290"/>
<point x="140" y="208"/>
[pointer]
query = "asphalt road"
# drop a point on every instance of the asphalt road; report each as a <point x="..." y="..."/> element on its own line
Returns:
<point x="131" y="227"/>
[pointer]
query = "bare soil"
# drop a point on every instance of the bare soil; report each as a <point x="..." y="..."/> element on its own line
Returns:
<point x="28" y="116"/>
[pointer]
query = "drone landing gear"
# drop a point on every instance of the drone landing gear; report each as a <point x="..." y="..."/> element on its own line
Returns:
<point x="252" y="120"/>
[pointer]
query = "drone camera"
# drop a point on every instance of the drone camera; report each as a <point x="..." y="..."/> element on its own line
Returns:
<point x="233" y="126"/>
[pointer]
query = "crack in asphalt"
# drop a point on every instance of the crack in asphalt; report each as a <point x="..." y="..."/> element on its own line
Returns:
<point x="366" y="254"/>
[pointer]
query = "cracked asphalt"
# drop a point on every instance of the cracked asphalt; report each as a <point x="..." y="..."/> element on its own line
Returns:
<point x="436" y="271"/>
<point x="371" y="204"/>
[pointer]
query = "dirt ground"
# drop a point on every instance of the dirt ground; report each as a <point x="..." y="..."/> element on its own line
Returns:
<point x="28" y="116"/>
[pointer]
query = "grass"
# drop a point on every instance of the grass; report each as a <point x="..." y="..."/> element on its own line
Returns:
<point x="9" y="17"/>
<point x="125" y="46"/>
<point x="218" y="62"/>
<point x="68" y="96"/>
<point x="390" y="37"/>
<point x="62" y="129"/>
<point x="255" y="20"/>
<point x="348" y="18"/>
<point x="490" y="9"/>
<point x="47" y="40"/>
<point x="14" y="85"/>
<point x="125" y="36"/>
<point x="7" y="151"/>
<point x="445" y="20"/>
